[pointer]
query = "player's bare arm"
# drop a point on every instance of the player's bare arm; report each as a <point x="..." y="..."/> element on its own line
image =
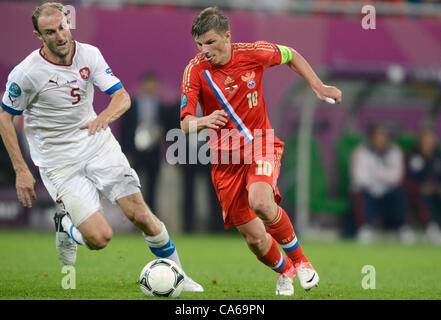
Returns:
<point x="215" y="120"/>
<point x="302" y="67"/>
<point x="24" y="180"/>
<point x="119" y="104"/>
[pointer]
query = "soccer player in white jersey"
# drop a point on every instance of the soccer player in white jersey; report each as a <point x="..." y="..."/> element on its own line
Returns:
<point x="78" y="157"/>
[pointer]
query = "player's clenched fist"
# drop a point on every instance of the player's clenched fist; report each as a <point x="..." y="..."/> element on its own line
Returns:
<point x="325" y="91"/>
<point x="216" y="120"/>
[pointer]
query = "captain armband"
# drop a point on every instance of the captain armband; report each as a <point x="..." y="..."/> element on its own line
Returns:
<point x="286" y="54"/>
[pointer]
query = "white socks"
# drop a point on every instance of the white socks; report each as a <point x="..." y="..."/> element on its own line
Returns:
<point x="71" y="230"/>
<point x="162" y="246"/>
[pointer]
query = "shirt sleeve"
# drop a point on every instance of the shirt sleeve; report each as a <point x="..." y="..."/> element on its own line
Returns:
<point x="359" y="168"/>
<point x="269" y="54"/>
<point x="19" y="92"/>
<point x="103" y="76"/>
<point x="190" y="89"/>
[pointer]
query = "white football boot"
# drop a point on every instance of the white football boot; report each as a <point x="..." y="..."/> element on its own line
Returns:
<point x="284" y="285"/>
<point x="308" y="277"/>
<point x="365" y="235"/>
<point x="433" y="233"/>
<point x="66" y="247"/>
<point x="190" y="285"/>
<point x="406" y="235"/>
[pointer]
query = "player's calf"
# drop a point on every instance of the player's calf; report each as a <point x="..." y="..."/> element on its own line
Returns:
<point x="137" y="211"/>
<point x="257" y="241"/>
<point x="255" y="236"/>
<point x="143" y="220"/>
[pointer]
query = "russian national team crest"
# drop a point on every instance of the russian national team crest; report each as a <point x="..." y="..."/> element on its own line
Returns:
<point x="85" y="73"/>
<point x="249" y="79"/>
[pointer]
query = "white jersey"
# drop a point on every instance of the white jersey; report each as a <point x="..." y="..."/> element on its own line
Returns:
<point x="56" y="100"/>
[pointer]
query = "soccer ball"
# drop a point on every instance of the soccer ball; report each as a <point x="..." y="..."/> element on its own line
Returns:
<point x="161" y="277"/>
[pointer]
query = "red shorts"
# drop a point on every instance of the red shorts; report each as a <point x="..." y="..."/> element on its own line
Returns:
<point x="232" y="182"/>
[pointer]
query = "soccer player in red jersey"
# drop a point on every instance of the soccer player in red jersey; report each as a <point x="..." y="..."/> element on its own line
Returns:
<point x="226" y="80"/>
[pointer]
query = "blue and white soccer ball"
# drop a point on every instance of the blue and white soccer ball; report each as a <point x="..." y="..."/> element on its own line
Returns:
<point x="162" y="278"/>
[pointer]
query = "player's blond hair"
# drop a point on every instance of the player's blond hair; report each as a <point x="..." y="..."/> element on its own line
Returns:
<point x="39" y="10"/>
<point x="208" y="19"/>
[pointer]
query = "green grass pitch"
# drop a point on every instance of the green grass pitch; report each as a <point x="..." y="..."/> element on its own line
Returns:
<point x="30" y="269"/>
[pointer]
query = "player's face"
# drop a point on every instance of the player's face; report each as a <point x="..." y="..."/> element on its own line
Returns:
<point x="215" y="47"/>
<point x="380" y="139"/>
<point x="55" y="34"/>
<point x="150" y="87"/>
<point x="428" y="142"/>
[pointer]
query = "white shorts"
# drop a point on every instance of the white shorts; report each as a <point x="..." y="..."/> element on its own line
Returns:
<point x="76" y="188"/>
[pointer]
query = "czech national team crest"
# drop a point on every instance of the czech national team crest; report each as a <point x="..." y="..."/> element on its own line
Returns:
<point x="249" y="79"/>
<point x="84" y="73"/>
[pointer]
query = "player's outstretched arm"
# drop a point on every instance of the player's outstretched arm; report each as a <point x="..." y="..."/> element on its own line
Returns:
<point x="119" y="104"/>
<point x="215" y="120"/>
<point x="302" y="67"/>
<point x="24" y="180"/>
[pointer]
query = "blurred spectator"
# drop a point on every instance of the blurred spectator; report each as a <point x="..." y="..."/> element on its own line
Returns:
<point x="7" y="173"/>
<point x="273" y="6"/>
<point x="377" y="169"/>
<point x="423" y="182"/>
<point x="142" y="131"/>
<point x="191" y="171"/>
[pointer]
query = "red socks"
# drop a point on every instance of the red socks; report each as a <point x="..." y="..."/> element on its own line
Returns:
<point x="275" y="259"/>
<point x="281" y="229"/>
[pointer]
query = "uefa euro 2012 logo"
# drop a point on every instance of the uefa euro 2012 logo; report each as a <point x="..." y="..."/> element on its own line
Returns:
<point x="14" y="90"/>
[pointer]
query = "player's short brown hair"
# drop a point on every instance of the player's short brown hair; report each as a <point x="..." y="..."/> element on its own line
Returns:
<point x="39" y="10"/>
<point x="208" y="19"/>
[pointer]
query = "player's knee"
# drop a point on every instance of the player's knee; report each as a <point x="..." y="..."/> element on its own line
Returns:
<point x="261" y="207"/>
<point x="99" y="240"/>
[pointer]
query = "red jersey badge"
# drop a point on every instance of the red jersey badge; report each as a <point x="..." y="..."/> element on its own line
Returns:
<point x="249" y="79"/>
<point x="84" y="73"/>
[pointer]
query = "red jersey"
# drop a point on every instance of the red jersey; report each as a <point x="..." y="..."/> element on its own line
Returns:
<point x="235" y="87"/>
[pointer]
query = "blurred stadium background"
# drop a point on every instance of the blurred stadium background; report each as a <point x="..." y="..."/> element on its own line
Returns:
<point x="389" y="73"/>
